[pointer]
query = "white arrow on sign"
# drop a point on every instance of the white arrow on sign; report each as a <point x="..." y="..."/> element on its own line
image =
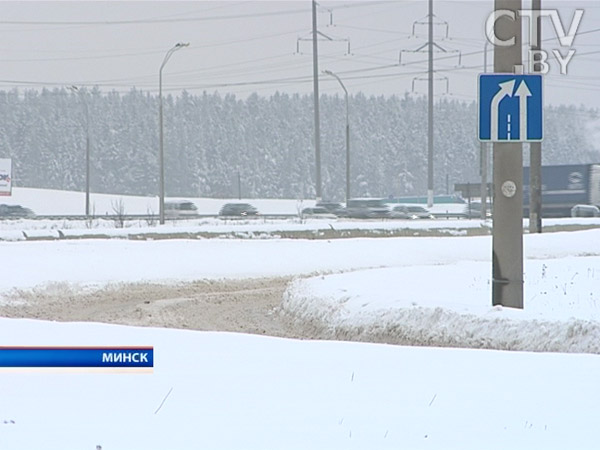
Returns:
<point x="523" y="93"/>
<point x="506" y="89"/>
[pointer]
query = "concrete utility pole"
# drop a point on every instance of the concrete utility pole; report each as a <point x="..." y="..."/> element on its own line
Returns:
<point x="316" y="100"/>
<point x="430" y="112"/>
<point x="483" y="153"/>
<point x="507" y="256"/>
<point x="535" y="148"/>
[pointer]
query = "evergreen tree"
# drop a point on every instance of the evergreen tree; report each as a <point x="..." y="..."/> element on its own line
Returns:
<point x="212" y="141"/>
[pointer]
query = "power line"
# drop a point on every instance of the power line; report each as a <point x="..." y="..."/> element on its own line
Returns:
<point x="354" y="74"/>
<point x="152" y="21"/>
<point x="84" y="58"/>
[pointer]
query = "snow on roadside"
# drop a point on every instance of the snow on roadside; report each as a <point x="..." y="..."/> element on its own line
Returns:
<point x="89" y="261"/>
<point x="449" y="303"/>
<point x="260" y="227"/>
<point x="428" y="291"/>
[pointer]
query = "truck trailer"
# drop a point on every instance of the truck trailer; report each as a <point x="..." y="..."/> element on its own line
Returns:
<point x="564" y="187"/>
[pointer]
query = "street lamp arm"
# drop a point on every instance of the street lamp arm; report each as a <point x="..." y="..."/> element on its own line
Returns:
<point x="167" y="56"/>
<point x="176" y="47"/>
<point x="329" y="72"/>
<point x="81" y="95"/>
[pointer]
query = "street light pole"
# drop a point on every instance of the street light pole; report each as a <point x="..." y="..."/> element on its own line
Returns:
<point x="87" y="148"/>
<point x="319" y="187"/>
<point x="328" y="72"/>
<point x="161" y="154"/>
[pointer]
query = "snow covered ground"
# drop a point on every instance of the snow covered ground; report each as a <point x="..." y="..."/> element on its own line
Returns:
<point x="431" y="291"/>
<point x="233" y="391"/>
<point x="449" y="305"/>
<point x="48" y="202"/>
<point x="255" y="228"/>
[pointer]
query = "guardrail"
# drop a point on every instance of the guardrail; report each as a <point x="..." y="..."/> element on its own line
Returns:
<point x="154" y="218"/>
<point x="147" y="217"/>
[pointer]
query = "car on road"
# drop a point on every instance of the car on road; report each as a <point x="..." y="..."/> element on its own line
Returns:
<point x="180" y="208"/>
<point x="367" y="208"/>
<point x="318" y="213"/>
<point x="332" y="207"/>
<point x="399" y="212"/>
<point x="410" y="212"/>
<point x="473" y="211"/>
<point x="238" y="210"/>
<point x="585" y="211"/>
<point x="15" y="211"/>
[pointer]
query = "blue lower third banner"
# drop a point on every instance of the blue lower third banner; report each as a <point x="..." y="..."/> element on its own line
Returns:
<point x="130" y="357"/>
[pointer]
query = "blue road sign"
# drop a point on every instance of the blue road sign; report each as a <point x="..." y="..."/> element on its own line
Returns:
<point x="510" y="108"/>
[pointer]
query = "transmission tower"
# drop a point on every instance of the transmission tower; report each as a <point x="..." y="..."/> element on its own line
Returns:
<point x="313" y="36"/>
<point x="430" y="47"/>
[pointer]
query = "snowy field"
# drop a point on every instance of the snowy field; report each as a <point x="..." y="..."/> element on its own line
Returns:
<point x="233" y="391"/>
<point x="48" y="202"/>
<point x="236" y="391"/>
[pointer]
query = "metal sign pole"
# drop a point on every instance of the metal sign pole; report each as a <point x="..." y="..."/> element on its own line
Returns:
<point x="535" y="150"/>
<point x="507" y="256"/>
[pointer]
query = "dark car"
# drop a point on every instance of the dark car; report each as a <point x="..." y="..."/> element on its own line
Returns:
<point x="410" y="212"/>
<point x="238" y="210"/>
<point x="15" y="211"/>
<point x="367" y="208"/>
<point x="332" y="207"/>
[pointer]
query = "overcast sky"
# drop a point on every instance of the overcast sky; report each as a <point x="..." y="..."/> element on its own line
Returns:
<point x="242" y="47"/>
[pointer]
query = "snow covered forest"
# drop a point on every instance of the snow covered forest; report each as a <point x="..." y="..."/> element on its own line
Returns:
<point x="212" y="139"/>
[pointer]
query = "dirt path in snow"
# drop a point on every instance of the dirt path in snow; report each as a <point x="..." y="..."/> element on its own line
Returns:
<point x="247" y="306"/>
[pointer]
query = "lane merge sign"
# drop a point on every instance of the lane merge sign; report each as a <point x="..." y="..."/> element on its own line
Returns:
<point x="510" y="108"/>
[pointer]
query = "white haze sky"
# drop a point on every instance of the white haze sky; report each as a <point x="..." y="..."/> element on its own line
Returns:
<point x="242" y="47"/>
